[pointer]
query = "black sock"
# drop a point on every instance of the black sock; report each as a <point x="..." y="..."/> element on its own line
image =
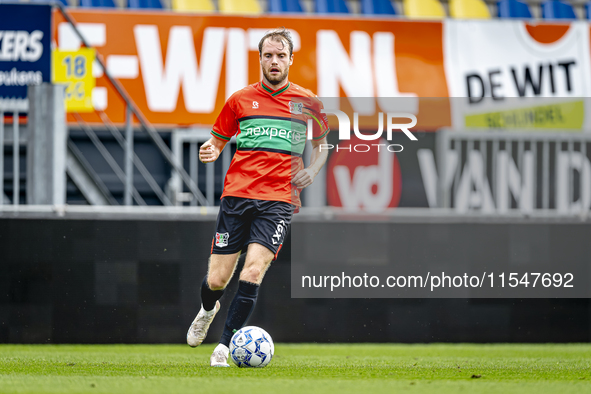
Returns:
<point x="208" y="296"/>
<point x="240" y="310"/>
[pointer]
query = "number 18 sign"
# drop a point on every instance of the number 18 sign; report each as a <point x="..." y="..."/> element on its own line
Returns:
<point x="74" y="68"/>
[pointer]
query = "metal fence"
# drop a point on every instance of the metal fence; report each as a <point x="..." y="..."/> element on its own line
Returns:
<point x="131" y="159"/>
<point x="193" y="138"/>
<point x="79" y="169"/>
<point x="5" y="110"/>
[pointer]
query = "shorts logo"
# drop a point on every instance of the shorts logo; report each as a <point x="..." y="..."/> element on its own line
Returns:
<point x="221" y="240"/>
<point x="278" y="233"/>
<point x="296" y="108"/>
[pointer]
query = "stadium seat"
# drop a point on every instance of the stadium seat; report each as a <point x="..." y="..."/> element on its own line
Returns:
<point x="193" y="5"/>
<point x="331" y="6"/>
<point x="144" y="4"/>
<point x="513" y="9"/>
<point x="64" y="2"/>
<point x="423" y="9"/>
<point x="377" y="7"/>
<point x="285" y="6"/>
<point x="97" y="3"/>
<point x="240" y="6"/>
<point x="468" y="9"/>
<point x="556" y="9"/>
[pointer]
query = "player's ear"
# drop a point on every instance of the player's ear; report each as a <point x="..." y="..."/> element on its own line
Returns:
<point x="291" y="60"/>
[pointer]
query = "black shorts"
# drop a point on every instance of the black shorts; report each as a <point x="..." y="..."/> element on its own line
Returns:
<point x="243" y="221"/>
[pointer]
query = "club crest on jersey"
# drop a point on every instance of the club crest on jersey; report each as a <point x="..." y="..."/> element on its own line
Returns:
<point x="221" y="240"/>
<point x="255" y="104"/>
<point x="296" y="108"/>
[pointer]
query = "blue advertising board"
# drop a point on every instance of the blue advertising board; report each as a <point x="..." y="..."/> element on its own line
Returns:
<point x="25" y="48"/>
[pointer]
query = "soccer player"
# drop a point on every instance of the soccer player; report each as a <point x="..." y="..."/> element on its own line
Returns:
<point x="271" y="120"/>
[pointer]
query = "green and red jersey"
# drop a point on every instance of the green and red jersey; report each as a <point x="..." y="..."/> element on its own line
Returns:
<point x="271" y="128"/>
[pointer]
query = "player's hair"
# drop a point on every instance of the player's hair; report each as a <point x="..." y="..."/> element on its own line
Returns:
<point x="282" y="34"/>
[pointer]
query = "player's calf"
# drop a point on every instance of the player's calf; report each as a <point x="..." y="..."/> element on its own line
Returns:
<point x="209" y="307"/>
<point x="240" y="310"/>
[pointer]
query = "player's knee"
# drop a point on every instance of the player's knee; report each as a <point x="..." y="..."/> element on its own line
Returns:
<point x="216" y="282"/>
<point x="251" y="274"/>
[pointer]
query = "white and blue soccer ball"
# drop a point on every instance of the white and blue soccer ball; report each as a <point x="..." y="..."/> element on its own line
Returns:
<point x="251" y="347"/>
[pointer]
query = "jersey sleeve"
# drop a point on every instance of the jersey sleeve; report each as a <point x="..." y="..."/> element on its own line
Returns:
<point x="226" y="124"/>
<point x="320" y="124"/>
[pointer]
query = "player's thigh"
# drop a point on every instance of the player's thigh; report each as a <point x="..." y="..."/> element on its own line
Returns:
<point x="267" y="233"/>
<point x="221" y="269"/>
<point x="231" y="234"/>
<point x="232" y="228"/>
<point x="270" y="224"/>
<point x="258" y="260"/>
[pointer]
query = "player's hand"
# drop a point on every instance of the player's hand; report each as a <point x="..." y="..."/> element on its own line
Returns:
<point x="303" y="178"/>
<point x="208" y="153"/>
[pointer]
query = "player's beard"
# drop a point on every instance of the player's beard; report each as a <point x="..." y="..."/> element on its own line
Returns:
<point x="275" y="79"/>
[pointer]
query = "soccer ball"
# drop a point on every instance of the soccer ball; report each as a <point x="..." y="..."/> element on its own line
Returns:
<point x="251" y="347"/>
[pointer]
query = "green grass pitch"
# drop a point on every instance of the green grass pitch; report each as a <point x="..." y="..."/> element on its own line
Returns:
<point x="299" y="368"/>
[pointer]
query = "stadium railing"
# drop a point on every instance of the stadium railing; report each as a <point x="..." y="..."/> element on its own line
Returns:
<point x="131" y="158"/>
<point x="11" y="107"/>
<point x="125" y="173"/>
<point x="192" y="138"/>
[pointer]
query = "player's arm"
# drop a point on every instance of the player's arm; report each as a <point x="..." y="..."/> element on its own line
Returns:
<point x="224" y="128"/>
<point x="211" y="150"/>
<point x="306" y="176"/>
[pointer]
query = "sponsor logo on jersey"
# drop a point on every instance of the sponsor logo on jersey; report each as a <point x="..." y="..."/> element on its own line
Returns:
<point x="296" y="108"/>
<point x="271" y="132"/>
<point x="221" y="239"/>
<point x="255" y="104"/>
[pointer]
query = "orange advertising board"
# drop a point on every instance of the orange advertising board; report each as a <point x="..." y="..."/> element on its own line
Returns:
<point x="179" y="69"/>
